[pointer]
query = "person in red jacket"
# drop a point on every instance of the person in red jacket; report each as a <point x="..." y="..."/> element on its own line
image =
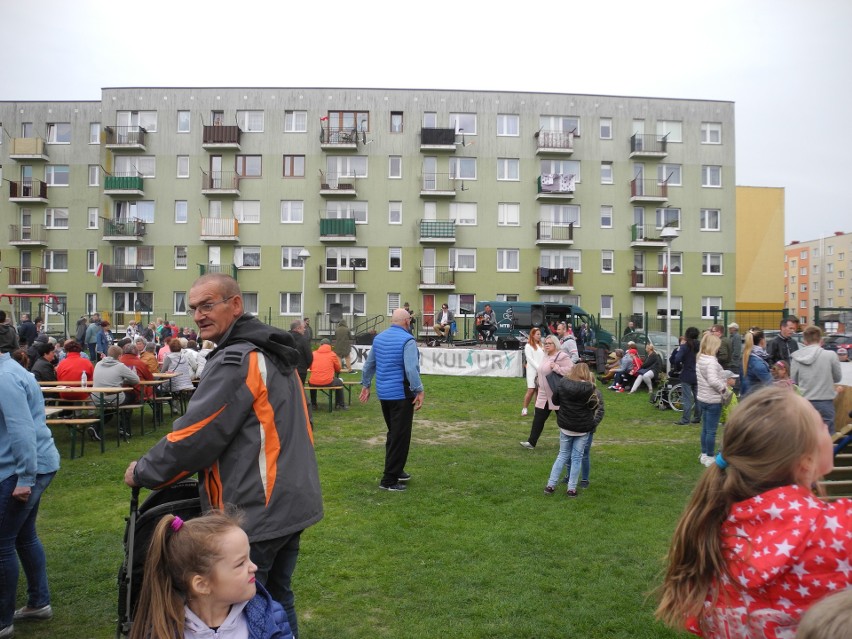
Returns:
<point x="324" y="369"/>
<point x="71" y="368"/>
<point x="133" y="362"/>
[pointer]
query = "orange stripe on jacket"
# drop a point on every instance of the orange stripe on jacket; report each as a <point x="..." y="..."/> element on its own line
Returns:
<point x="213" y="487"/>
<point x="183" y="433"/>
<point x="270" y="447"/>
<point x="305" y="411"/>
<point x="174" y="479"/>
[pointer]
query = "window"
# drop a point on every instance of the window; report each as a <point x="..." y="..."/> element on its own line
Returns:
<point x="508" y="169"/>
<point x="249" y="166"/>
<point x="668" y="217"/>
<point x="606" y="217"/>
<point x="352" y="303"/>
<point x="247" y="257"/>
<point x="250" y="122"/>
<point x="463" y="259"/>
<point x="349" y="120"/>
<point x="144" y="119"/>
<point x="803" y="255"/>
<point x="396" y="122"/>
<point x="393" y="302"/>
<point x="292" y="211"/>
<point x="710" y="307"/>
<point x="829" y="250"/>
<point x="394" y="212"/>
<point x="669" y="173"/>
<point x="711" y="264"/>
<point x="829" y="268"/>
<point x="711" y="176"/>
<point x="346" y="257"/>
<point x="711" y="133"/>
<point x="508" y="125"/>
<point x="290" y="259"/>
<point x="94" y="175"/>
<point x="179" y="303"/>
<point x="430" y="120"/>
<point x="136" y="165"/>
<point x="607" y="261"/>
<point x="804" y="288"/>
<point x="26" y="129"/>
<point x="560" y="214"/>
<point x="56" y="218"/>
<point x="561" y="167"/>
<point x="563" y="123"/>
<point x="676" y="265"/>
<point x="395" y="167"/>
<point x="91" y="260"/>
<point x="247" y="211"/>
<point x="803" y="270"/>
<point x="56" y="260"/>
<point x="561" y="259"/>
<point x="294" y="166"/>
<point x="142" y="210"/>
<point x="463" y="168"/>
<point x="508" y="214"/>
<point x="671" y="130"/>
<point x="508" y="260"/>
<point x="347" y="210"/>
<point x="56" y="174"/>
<point x="91" y="303"/>
<point x="711" y="220"/>
<point x="606" y="172"/>
<point x="463" y="213"/>
<point x="463" y="123"/>
<point x="346" y="166"/>
<point x="92" y="217"/>
<point x="250" y="303"/>
<point x="59" y="133"/>
<point x="677" y="304"/>
<point x="181" y="212"/>
<point x="180" y="257"/>
<point x="395" y="258"/>
<point x="94" y="132"/>
<point x="606" y="128"/>
<point x="139" y="256"/>
<point x="295" y="121"/>
<point x="183" y="120"/>
<point x="606" y="305"/>
<point x="182" y="166"/>
<point x="290" y="304"/>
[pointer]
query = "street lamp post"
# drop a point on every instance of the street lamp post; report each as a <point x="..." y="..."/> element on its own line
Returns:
<point x="304" y="254"/>
<point x="669" y="234"/>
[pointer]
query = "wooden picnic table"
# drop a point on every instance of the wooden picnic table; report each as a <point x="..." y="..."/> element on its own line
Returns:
<point x="100" y="399"/>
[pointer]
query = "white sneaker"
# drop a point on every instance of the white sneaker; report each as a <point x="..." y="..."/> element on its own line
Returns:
<point x="702" y="458"/>
<point x="527" y="445"/>
<point x="523" y="412"/>
<point x="709" y="461"/>
<point x="8" y="631"/>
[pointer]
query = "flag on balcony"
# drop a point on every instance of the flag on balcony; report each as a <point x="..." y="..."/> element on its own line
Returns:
<point x="100" y="269"/>
<point x="324" y="118"/>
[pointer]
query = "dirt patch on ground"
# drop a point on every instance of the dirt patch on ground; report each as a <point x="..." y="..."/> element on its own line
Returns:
<point x="432" y="432"/>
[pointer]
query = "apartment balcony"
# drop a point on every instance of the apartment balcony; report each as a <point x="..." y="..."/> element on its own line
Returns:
<point x="437" y="232"/>
<point x="437" y="278"/>
<point x="220" y="184"/>
<point x="554" y="142"/>
<point x="551" y="233"/>
<point x="556" y="186"/>
<point x="337" y="230"/>
<point x="648" y="145"/>
<point x="333" y="185"/>
<point x="123" y="230"/>
<point x="26" y="278"/>
<point x="123" y="185"/>
<point x="28" y="191"/>
<point x="339" y="139"/>
<point x="337" y="277"/>
<point x="439" y="185"/>
<point x="646" y="235"/>
<point x="226" y="269"/>
<point x="649" y="190"/>
<point x="648" y="281"/>
<point x="122" y="276"/>
<point x="220" y="229"/>
<point x="125" y="138"/>
<point x="554" y="279"/>
<point x="28" y="150"/>
<point x="221" y="138"/>
<point x="27" y="235"/>
<point x="438" y="140"/>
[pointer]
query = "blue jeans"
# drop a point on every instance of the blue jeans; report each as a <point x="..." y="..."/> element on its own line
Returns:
<point x="570" y="447"/>
<point x="710" y="415"/>
<point x="276" y="562"/>
<point x="586" y="466"/>
<point x="690" y="404"/>
<point x="825" y="408"/>
<point x="18" y="533"/>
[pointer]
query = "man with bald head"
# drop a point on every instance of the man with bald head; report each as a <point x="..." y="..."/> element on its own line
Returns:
<point x="395" y="361"/>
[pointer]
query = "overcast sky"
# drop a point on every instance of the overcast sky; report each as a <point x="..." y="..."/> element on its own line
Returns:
<point x="787" y="65"/>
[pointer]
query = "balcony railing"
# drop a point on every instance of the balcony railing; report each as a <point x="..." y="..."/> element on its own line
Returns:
<point x="647" y="233"/>
<point x="438" y="184"/>
<point x="217" y="228"/>
<point x="437" y="230"/>
<point x="27" y="276"/>
<point x="648" y="189"/>
<point x="553" y="232"/>
<point x="648" y="278"/>
<point x="227" y="269"/>
<point x="221" y="136"/>
<point x="556" y="183"/>
<point x="220" y="182"/>
<point x="28" y="190"/>
<point x="438" y="138"/>
<point x="648" y="144"/>
<point x="123" y="182"/>
<point x="133" y="229"/>
<point x="337" y="275"/>
<point x="34" y="234"/>
<point x="334" y="184"/>
<point x="555" y="142"/>
<point x="339" y="228"/>
<point x="122" y="274"/>
<point x="437" y="275"/>
<point x="339" y="137"/>
<point x="560" y="277"/>
<point x="125" y="136"/>
<point x="28" y="149"/>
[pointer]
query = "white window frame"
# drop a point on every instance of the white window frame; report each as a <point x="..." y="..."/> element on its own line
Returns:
<point x="607" y="306"/>
<point x="662" y="217"/>
<point x="711" y="133"/>
<point x="181" y="212"/>
<point x="143" y="119"/>
<point x="605" y="128"/>
<point x="394" y="167"/>
<point x="394" y="302"/>
<point x="94" y="175"/>
<point x="394" y="253"/>
<point x="287" y="303"/>
<point x="607" y="261"/>
<point x="464" y="213"/>
<point x="347" y="166"/>
<point x="357" y="210"/>
<point x="460" y="259"/>
<point x="347" y="257"/>
<point x="251" y="302"/>
<point x="353" y="303"/>
<point x="606" y="173"/>
<point x="144" y="210"/>
<point x="250" y="119"/>
<point x="711" y="176"/>
<point x="184" y="121"/>
<point x="93" y="215"/>
<point x="508" y="214"/>
<point x="92" y="260"/>
<point x="508" y="260"/>
<point x="247" y="211"/>
<point x="562" y="167"/>
<point x="607" y="211"/>
<point x="707" y="264"/>
<point x="53" y="171"/>
<point x="561" y="214"/>
<point x="707" y="302"/>
<point x="508" y="125"/>
<point x="508" y="170"/>
<point x="706" y="216"/>
<point x="244" y="257"/>
<point x="179" y="303"/>
<point x="460" y="168"/>
<point x="144" y="166"/>
<point x="59" y="133"/>
<point x="50" y="258"/>
<point x="292" y="212"/>
<point x="394" y="127"/>
<point x="181" y="251"/>
<point x="182" y="167"/>
<point x="395" y="212"/>
<point x="94" y="132"/>
<point x="563" y="123"/>
<point x="672" y="129"/>
<point x="54" y="214"/>
<point x="562" y="258"/>
<point x="90" y="301"/>
<point x="463" y="123"/>
<point x="671" y="174"/>
<point x="295" y="121"/>
<point x="676" y="264"/>
<point x="290" y="260"/>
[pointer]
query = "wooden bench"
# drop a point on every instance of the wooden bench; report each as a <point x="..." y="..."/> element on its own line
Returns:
<point x="327" y="391"/>
<point x="76" y="426"/>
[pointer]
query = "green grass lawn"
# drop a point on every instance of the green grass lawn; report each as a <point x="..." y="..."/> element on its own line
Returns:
<point x="472" y="549"/>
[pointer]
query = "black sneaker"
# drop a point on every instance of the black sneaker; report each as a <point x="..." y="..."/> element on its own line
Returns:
<point x="584" y="483"/>
<point x="396" y="488"/>
<point x="404" y="477"/>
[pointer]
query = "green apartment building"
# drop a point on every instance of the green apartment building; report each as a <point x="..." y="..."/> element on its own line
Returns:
<point x="329" y="202"/>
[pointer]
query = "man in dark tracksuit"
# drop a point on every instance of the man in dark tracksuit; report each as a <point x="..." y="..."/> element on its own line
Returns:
<point x="394" y="359"/>
<point x="246" y="432"/>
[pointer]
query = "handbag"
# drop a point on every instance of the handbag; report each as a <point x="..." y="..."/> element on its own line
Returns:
<point x="553" y="378"/>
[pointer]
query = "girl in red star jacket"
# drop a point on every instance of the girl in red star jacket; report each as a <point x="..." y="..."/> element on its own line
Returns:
<point x="755" y="547"/>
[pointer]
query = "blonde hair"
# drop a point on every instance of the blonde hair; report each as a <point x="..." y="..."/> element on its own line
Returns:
<point x="710" y="344"/>
<point x="553" y="340"/>
<point x="829" y="618"/>
<point x="581" y="373"/>
<point x="766" y="437"/>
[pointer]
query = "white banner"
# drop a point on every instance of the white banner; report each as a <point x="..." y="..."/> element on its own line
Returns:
<point x="458" y="361"/>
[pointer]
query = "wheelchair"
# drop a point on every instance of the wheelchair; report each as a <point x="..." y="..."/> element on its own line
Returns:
<point x="669" y="395"/>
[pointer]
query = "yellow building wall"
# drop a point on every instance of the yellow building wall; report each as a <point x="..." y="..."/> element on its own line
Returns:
<point x="760" y="248"/>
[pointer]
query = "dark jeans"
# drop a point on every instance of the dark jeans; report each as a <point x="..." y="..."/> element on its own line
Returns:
<point x="540" y="417"/>
<point x="276" y="562"/>
<point x="93" y="354"/>
<point x="399" y="415"/>
<point x="825" y="408"/>
<point x="338" y="394"/>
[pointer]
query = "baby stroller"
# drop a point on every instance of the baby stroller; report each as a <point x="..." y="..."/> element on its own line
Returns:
<point x="179" y="499"/>
<point x="669" y="394"/>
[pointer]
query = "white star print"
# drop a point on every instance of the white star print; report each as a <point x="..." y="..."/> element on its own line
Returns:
<point x="844" y="567"/>
<point x="794" y="505"/>
<point x="784" y="549"/>
<point x="803" y="590"/>
<point x="832" y="524"/>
